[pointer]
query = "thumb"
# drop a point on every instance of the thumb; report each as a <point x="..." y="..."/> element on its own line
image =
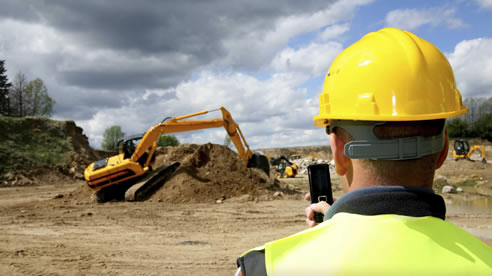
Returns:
<point x="320" y="207"/>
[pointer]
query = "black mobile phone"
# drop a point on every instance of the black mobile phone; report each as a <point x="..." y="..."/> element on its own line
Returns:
<point x="320" y="186"/>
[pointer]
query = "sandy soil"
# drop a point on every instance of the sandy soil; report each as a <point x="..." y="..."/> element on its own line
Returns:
<point x="43" y="233"/>
<point x="43" y="236"/>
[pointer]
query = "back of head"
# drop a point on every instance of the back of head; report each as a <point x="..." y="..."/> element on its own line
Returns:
<point x="390" y="94"/>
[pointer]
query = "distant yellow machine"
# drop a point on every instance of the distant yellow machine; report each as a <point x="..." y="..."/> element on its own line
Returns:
<point x="284" y="167"/>
<point x="462" y="150"/>
<point x="314" y="155"/>
<point x="295" y="157"/>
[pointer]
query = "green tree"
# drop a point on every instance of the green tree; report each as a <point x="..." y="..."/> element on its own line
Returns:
<point x="168" y="140"/>
<point x="483" y="127"/>
<point x="4" y="90"/>
<point x="112" y="135"/>
<point x="38" y="102"/>
<point x="457" y="128"/>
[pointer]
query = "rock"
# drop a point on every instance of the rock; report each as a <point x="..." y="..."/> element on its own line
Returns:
<point x="78" y="175"/>
<point x="459" y="190"/>
<point x="71" y="170"/>
<point x="278" y="194"/>
<point x="9" y="176"/>
<point x="23" y="181"/>
<point x="58" y="196"/>
<point x="448" y="189"/>
<point x="218" y="201"/>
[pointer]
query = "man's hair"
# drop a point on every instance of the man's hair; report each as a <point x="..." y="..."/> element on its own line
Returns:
<point x="392" y="169"/>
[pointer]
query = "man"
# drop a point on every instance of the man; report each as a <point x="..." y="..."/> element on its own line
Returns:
<point x="384" y="104"/>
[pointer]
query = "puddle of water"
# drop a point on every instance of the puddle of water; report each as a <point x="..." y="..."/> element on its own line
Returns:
<point x="481" y="206"/>
<point x="478" y="208"/>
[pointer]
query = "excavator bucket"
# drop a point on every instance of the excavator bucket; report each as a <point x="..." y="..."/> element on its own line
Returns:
<point x="259" y="161"/>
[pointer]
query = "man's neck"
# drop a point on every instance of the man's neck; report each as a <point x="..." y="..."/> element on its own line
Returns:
<point x="363" y="177"/>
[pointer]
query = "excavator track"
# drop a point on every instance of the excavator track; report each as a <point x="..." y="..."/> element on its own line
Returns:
<point x="147" y="186"/>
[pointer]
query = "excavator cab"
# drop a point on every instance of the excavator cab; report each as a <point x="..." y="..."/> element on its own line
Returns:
<point x="461" y="147"/>
<point x="128" y="145"/>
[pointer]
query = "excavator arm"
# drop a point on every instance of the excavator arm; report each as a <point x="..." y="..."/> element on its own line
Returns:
<point x="179" y="124"/>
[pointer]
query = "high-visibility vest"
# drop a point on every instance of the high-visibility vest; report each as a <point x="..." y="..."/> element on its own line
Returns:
<point x="352" y="244"/>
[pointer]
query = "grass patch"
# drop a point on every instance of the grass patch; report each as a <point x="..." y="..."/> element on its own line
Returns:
<point x="466" y="183"/>
<point x="32" y="142"/>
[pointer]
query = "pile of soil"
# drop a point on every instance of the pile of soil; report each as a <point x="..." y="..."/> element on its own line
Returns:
<point x="213" y="173"/>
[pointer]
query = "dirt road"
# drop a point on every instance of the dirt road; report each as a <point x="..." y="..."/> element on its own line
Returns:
<point x="44" y="235"/>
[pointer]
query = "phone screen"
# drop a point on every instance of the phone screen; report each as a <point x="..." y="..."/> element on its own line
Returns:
<point x="320" y="186"/>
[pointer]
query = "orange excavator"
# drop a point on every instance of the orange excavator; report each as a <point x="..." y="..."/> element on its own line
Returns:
<point x="130" y="175"/>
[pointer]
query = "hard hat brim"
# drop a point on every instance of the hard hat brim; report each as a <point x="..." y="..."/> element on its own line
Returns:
<point x="323" y="120"/>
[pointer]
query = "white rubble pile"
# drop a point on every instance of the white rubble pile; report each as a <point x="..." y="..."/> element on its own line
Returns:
<point x="305" y="162"/>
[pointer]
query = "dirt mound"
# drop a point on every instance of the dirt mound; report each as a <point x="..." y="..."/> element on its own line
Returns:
<point x="213" y="173"/>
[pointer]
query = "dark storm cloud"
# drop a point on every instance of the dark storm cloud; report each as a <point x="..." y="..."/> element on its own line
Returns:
<point x="80" y="106"/>
<point x="195" y="29"/>
<point x="138" y="79"/>
<point x="156" y="26"/>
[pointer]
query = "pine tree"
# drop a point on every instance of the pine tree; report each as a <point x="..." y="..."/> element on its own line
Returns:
<point x="4" y="90"/>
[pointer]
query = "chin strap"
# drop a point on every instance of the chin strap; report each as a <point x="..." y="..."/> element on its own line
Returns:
<point x="367" y="146"/>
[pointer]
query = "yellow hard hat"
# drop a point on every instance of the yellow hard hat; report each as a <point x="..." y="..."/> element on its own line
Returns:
<point x="389" y="75"/>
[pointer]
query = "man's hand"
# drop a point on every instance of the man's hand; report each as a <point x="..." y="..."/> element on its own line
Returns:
<point x="320" y="207"/>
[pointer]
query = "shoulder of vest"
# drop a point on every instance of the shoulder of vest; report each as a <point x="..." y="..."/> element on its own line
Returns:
<point x="252" y="263"/>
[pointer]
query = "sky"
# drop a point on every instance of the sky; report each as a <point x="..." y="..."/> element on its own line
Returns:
<point x="133" y="63"/>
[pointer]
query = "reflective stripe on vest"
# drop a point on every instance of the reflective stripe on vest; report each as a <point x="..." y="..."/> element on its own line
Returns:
<point x="351" y="244"/>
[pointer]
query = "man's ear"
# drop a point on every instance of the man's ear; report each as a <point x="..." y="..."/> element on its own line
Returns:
<point x="444" y="153"/>
<point x="337" y="144"/>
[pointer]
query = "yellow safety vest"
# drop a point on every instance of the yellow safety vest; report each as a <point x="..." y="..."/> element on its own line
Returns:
<point x="352" y="244"/>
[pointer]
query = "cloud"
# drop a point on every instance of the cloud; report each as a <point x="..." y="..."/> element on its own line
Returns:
<point x="472" y="65"/>
<point x="334" y="31"/>
<point x="411" y="19"/>
<point x="486" y="4"/>
<point x="262" y="108"/>
<point x="250" y="49"/>
<point x="314" y="59"/>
